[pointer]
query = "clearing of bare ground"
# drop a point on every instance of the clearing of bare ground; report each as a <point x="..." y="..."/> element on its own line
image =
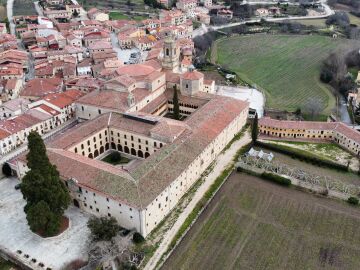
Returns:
<point x="254" y="224"/>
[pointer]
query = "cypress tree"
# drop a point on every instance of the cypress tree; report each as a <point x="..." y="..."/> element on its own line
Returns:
<point x="254" y="130"/>
<point x="46" y="195"/>
<point x="176" y="104"/>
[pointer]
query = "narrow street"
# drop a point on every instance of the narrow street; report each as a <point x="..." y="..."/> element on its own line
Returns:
<point x="9" y="10"/>
<point x="38" y="8"/>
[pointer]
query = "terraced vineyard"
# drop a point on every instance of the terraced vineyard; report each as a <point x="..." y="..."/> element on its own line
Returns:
<point x="254" y="224"/>
<point x="286" y="67"/>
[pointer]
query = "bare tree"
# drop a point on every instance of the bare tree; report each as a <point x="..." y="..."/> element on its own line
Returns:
<point x="313" y="107"/>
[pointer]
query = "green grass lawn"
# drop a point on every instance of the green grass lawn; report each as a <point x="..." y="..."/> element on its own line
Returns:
<point x="314" y="22"/>
<point x="115" y="5"/>
<point x="121" y="16"/>
<point x="254" y="224"/>
<point x="115" y="160"/>
<point x="118" y="16"/>
<point x="5" y="265"/>
<point x="286" y="67"/>
<point x="354" y="20"/>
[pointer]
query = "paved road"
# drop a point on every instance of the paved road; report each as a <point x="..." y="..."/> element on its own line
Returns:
<point x="222" y="161"/>
<point x="39" y="10"/>
<point x="9" y="10"/>
<point x="204" y="29"/>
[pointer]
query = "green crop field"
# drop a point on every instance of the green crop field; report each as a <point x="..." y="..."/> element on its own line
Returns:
<point x="114" y="5"/>
<point x="286" y="67"/>
<point x="254" y="224"/>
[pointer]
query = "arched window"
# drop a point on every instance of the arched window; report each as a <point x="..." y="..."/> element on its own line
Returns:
<point x="167" y="52"/>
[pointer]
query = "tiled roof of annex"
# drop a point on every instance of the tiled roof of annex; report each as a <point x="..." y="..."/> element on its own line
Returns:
<point x="111" y="99"/>
<point x="311" y="125"/>
<point x="143" y="183"/>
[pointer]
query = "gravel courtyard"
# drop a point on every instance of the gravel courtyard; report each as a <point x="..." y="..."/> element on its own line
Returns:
<point x="53" y="252"/>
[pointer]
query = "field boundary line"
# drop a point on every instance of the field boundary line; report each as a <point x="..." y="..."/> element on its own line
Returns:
<point x="223" y="176"/>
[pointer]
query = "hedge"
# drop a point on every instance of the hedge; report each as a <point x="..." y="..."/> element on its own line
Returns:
<point x="276" y="179"/>
<point x="353" y="200"/>
<point x="302" y="156"/>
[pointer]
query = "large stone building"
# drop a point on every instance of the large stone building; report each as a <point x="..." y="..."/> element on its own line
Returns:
<point x="168" y="156"/>
<point x="131" y="113"/>
<point x="336" y="132"/>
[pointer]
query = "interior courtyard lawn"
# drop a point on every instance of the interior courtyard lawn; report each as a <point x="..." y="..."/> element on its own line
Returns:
<point x="285" y="67"/>
<point x="255" y="224"/>
<point x="116" y="158"/>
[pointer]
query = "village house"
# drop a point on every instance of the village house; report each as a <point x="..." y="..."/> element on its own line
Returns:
<point x="13" y="107"/>
<point x="95" y="14"/>
<point x="38" y="88"/>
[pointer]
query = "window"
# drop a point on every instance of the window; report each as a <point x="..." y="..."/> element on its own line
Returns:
<point x="99" y="111"/>
<point x="97" y="209"/>
<point x="75" y="149"/>
<point x="159" y="205"/>
<point x="82" y="108"/>
<point x="109" y="215"/>
<point x="107" y="199"/>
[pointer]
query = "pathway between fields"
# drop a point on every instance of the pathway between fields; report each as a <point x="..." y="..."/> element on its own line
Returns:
<point x="221" y="162"/>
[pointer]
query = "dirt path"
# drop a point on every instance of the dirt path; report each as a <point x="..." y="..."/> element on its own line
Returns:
<point x="222" y="161"/>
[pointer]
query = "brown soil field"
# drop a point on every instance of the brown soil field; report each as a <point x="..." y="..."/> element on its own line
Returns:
<point x="254" y="224"/>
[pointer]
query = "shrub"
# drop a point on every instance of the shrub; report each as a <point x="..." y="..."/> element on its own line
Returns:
<point x="115" y="156"/>
<point x="276" y="179"/>
<point x="104" y="228"/>
<point x="353" y="200"/>
<point x="6" y="169"/>
<point x="138" y="238"/>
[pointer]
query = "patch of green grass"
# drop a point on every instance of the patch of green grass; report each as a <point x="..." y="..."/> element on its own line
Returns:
<point x="354" y="20"/>
<point x="114" y="160"/>
<point x="118" y="16"/>
<point x="286" y="67"/>
<point x="314" y="22"/>
<point x="4" y="265"/>
<point x="115" y="15"/>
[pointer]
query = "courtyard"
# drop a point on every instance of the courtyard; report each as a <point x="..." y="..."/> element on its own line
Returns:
<point x="54" y="252"/>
